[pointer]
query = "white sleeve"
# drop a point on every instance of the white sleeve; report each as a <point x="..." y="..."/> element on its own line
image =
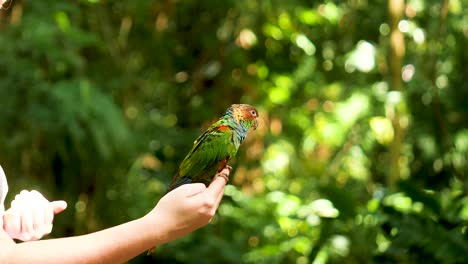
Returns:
<point x="3" y="193"/>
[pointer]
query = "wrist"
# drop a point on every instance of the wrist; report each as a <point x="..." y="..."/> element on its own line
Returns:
<point x="156" y="228"/>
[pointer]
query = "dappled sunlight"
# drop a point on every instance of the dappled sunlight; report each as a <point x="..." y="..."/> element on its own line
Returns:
<point x="382" y="129"/>
<point x="460" y="152"/>
<point x="403" y="203"/>
<point x="62" y="20"/>
<point x="362" y="58"/>
<point x="281" y="92"/>
<point x="407" y="72"/>
<point x="276" y="161"/>
<point x="324" y="208"/>
<point x="340" y="244"/>
<point x="357" y="163"/>
<point x="305" y="44"/>
<point x="360" y="154"/>
<point x="246" y="38"/>
<point x="349" y="111"/>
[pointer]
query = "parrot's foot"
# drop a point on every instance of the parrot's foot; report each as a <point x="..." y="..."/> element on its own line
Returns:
<point x="223" y="174"/>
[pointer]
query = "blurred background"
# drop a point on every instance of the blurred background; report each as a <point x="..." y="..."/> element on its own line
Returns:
<point x="361" y="151"/>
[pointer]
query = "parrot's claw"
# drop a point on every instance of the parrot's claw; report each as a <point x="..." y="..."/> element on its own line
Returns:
<point x="224" y="175"/>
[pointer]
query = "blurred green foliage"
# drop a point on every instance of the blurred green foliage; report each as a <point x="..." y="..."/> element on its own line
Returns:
<point x="100" y="100"/>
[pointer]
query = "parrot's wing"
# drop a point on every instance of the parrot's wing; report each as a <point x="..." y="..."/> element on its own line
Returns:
<point x="201" y="163"/>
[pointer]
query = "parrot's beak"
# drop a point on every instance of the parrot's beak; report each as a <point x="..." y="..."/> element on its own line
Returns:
<point x="255" y="124"/>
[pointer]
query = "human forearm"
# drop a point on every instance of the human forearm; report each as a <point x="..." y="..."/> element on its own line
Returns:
<point x="178" y="213"/>
<point x="114" y="245"/>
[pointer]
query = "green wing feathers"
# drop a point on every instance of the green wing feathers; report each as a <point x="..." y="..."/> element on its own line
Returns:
<point x="210" y="153"/>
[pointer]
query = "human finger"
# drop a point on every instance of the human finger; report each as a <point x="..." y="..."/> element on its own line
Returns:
<point x="219" y="184"/>
<point x="26" y="221"/>
<point x="48" y="216"/>
<point x="191" y="189"/>
<point x="58" y="206"/>
<point x="32" y="207"/>
<point x="44" y="213"/>
<point x="212" y="196"/>
<point x="37" y="198"/>
<point x="12" y="222"/>
<point x="53" y="207"/>
<point x="39" y="213"/>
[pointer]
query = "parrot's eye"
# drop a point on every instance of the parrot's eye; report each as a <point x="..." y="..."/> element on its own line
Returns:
<point x="253" y="112"/>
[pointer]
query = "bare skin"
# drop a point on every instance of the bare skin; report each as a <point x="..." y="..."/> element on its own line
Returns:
<point x="178" y="213"/>
<point x="31" y="216"/>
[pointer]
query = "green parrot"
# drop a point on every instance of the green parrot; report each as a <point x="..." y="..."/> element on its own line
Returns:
<point x="213" y="149"/>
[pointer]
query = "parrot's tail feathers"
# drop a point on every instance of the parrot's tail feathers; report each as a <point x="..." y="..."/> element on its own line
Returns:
<point x="178" y="183"/>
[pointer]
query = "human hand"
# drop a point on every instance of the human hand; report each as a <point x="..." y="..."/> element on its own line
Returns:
<point x="188" y="207"/>
<point x="30" y="216"/>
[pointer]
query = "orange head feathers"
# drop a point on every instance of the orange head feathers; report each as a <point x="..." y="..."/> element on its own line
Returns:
<point x="243" y="114"/>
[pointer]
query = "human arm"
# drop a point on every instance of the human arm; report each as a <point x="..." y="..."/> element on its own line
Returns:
<point x="178" y="213"/>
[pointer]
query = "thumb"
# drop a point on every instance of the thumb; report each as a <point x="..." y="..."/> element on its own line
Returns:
<point x="58" y="206"/>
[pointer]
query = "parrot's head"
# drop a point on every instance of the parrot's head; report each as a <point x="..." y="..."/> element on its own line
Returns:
<point x="244" y="114"/>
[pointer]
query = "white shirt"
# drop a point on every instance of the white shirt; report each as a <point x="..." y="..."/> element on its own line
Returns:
<point x="3" y="193"/>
